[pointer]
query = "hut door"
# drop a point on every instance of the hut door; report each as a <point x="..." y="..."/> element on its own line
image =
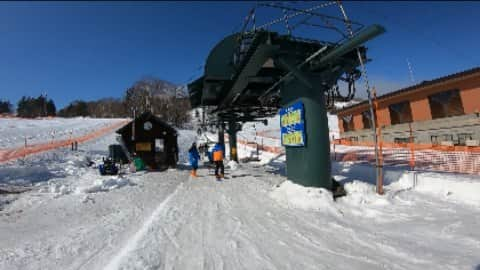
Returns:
<point x="159" y="145"/>
<point x="160" y="154"/>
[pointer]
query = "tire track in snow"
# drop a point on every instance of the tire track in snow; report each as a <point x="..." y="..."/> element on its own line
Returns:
<point x="133" y="241"/>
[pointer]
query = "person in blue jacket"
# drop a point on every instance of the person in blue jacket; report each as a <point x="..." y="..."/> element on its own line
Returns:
<point x="193" y="156"/>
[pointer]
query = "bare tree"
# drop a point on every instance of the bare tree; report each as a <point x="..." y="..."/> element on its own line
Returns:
<point x="162" y="98"/>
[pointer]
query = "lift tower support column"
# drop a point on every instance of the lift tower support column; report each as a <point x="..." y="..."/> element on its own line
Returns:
<point x="309" y="165"/>
<point x="232" y="139"/>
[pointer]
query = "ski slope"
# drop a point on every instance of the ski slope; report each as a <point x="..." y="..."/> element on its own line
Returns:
<point x="73" y="218"/>
<point x="14" y="131"/>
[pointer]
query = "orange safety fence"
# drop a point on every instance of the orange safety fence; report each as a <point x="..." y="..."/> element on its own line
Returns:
<point x="428" y="157"/>
<point x="15" y="153"/>
<point x="457" y="159"/>
<point x="271" y="149"/>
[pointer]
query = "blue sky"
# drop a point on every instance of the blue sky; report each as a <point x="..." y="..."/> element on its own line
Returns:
<point x="82" y="50"/>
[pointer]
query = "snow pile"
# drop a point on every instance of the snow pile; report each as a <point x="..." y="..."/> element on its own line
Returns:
<point x="57" y="189"/>
<point x="60" y="187"/>
<point x="291" y="195"/>
<point x="457" y="188"/>
<point x="103" y="185"/>
<point x="233" y="165"/>
<point x="27" y="175"/>
<point x="363" y="193"/>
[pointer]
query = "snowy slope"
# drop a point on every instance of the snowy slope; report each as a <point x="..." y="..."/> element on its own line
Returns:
<point x="14" y="130"/>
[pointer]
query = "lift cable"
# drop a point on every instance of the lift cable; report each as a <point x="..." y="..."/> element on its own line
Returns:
<point x="370" y="102"/>
<point x="299" y="12"/>
<point x="308" y="11"/>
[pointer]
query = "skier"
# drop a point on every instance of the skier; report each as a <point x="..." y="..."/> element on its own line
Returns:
<point x="193" y="156"/>
<point x="218" y="155"/>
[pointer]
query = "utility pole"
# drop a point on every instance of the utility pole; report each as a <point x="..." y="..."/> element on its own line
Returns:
<point x="370" y="102"/>
<point x="410" y="71"/>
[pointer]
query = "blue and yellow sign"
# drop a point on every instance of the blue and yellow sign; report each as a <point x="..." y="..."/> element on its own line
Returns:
<point x="292" y="125"/>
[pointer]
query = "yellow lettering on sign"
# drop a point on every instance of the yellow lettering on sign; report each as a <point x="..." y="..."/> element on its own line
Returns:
<point x="291" y="118"/>
<point x="293" y="138"/>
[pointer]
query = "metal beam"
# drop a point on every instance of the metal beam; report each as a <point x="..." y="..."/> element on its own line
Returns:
<point x="351" y="44"/>
<point x="251" y="69"/>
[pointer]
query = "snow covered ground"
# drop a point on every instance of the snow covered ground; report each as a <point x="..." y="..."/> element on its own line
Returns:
<point x="15" y="130"/>
<point x="73" y="218"/>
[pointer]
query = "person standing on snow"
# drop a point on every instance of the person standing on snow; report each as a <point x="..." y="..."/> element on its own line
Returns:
<point x="218" y="155"/>
<point x="193" y="156"/>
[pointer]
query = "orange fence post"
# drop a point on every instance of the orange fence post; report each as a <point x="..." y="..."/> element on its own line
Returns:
<point x="412" y="149"/>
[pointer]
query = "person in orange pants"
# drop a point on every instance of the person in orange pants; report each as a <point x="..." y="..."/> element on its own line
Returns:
<point x="218" y="155"/>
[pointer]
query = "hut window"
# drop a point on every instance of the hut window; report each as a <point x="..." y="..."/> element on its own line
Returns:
<point x="366" y="119"/>
<point x="159" y="145"/>
<point x="400" y="113"/>
<point x="446" y="104"/>
<point x="347" y="122"/>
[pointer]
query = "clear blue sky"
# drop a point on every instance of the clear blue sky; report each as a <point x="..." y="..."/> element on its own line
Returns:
<point x="79" y="50"/>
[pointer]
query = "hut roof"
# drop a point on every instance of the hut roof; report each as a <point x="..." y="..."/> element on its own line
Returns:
<point x="148" y="116"/>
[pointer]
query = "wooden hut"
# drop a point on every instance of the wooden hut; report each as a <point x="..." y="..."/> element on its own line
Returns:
<point x="153" y="140"/>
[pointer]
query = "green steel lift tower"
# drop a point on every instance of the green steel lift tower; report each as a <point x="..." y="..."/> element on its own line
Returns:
<point x="251" y="75"/>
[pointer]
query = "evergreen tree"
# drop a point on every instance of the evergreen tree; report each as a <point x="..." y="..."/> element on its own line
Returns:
<point x="5" y="106"/>
<point x="51" y="109"/>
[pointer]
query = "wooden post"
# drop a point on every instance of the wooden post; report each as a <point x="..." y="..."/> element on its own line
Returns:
<point x="380" y="160"/>
<point x="25" y="148"/>
<point x="378" y="145"/>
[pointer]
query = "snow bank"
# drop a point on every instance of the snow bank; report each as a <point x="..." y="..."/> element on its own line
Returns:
<point x="458" y="188"/>
<point x="292" y="195"/>
<point x="59" y="187"/>
<point x="103" y="185"/>
<point x="233" y="165"/>
<point x="363" y="193"/>
<point x="453" y="187"/>
<point x="27" y="175"/>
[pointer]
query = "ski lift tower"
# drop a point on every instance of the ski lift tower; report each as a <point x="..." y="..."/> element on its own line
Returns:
<point x="251" y="75"/>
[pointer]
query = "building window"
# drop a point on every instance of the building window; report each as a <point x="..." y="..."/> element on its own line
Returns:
<point x="400" y="113"/>
<point x="401" y="140"/>
<point x="463" y="137"/>
<point x="434" y="139"/>
<point x="347" y="122"/>
<point x="446" y="104"/>
<point x="367" y="119"/>
<point x="447" y="138"/>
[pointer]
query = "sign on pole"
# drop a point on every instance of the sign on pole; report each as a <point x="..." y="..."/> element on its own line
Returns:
<point x="292" y="125"/>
